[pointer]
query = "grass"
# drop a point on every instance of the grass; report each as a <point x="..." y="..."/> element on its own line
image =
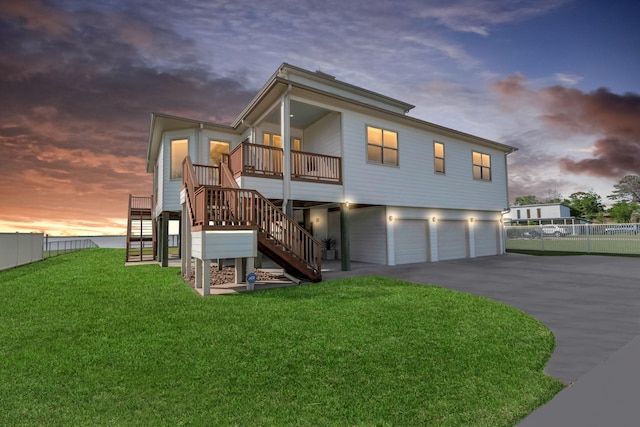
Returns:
<point x="87" y="341"/>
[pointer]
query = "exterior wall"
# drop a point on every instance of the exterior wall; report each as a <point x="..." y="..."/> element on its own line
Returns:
<point x="171" y="187"/>
<point x="270" y="188"/>
<point x="20" y="248"/>
<point x="224" y="244"/>
<point x="312" y="191"/>
<point x="205" y="136"/>
<point x="414" y="182"/>
<point x="324" y="136"/>
<point x="368" y="235"/>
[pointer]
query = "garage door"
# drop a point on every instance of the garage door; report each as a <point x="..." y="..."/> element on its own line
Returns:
<point x="410" y="241"/>
<point x="486" y="237"/>
<point x="452" y="240"/>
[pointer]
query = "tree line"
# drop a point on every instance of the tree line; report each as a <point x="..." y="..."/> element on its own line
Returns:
<point x="588" y="204"/>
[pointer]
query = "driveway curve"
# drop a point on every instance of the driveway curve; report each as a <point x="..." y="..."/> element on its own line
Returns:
<point x="590" y="303"/>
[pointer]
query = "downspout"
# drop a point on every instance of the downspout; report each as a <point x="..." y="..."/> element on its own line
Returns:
<point x="285" y="131"/>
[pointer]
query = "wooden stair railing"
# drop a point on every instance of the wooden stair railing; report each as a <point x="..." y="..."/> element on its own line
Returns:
<point x="140" y="229"/>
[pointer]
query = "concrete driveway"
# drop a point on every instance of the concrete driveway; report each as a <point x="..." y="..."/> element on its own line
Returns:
<point x="591" y="303"/>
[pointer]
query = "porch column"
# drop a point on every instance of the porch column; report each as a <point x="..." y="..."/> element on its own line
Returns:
<point x="206" y="277"/>
<point x="345" y="249"/>
<point x="285" y="131"/>
<point x="183" y="240"/>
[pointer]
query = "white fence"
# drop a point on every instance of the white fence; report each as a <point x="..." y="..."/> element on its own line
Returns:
<point x="20" y="248"/>
<point x="584" y="238"/>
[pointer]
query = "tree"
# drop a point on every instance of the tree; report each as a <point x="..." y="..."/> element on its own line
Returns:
<point x="628" y="188"/>
<point x="526" y="200"/>
<point x="622" y="211"/>
<point x="585" y="204"/>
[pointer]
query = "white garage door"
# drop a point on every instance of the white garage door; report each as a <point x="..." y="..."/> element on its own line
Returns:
<point x="452" y="240"/>
<point x="410" y="241"/>
<point x="368" y="235"/>
<point x="486" y="237"/>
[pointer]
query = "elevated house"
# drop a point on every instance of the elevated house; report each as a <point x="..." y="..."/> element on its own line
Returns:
<point x="541" y="213"/>
<point x="310" y="158"/>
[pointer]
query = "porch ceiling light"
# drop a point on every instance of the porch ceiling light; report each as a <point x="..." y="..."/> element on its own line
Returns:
<point x="433" y="219"/>
<point x="390" y="218"/>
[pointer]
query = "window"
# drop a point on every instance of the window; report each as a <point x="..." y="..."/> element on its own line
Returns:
<point x="272" y="139"/>
<point x="518" y="212"/>
<point x="216" y="150"/>
<point x="528" y="213"/>
<point x="481" y="166"/>
<point x="179" y="150"/>
<point x="382" y="146"/>
<point x="275" y="140"/>
<point x="539" y="212"/>
<point x="438" y="156"/>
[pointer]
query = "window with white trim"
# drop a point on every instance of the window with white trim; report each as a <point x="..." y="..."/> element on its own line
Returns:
<point x="179" y="150"/>
<point x="438" y="157"/>
<point x="481" y="166"/>
<point x="272" y="139"/>
<point x="382" y="146"/>
<point x="216" y="150"/>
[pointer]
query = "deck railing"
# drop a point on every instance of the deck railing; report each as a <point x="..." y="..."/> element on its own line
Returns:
<point x="236" y="208"/>
<point x="222" y="208"/>
<point x="266" y="161"/>
<point x="257" y="160"/>
<point x="316" y="167"/>
<point x="207" y="175"/>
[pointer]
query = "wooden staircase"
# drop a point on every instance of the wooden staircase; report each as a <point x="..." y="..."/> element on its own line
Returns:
<point x="141" y="235"/>
<point x="227" y="207"/>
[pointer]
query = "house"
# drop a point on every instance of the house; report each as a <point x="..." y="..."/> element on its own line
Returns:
<point x="541" y="213"/>
<point x="340" y="161"/>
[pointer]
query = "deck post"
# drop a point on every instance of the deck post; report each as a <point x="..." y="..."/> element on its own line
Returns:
<point x="240" y="273"/>
<point x="345" y="248"/>
<point x="164" y="239"/>
<point x="198" y="278"/>
<point x="206" y="277"/>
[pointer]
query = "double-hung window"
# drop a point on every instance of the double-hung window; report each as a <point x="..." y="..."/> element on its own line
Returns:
<point x="481" y="166"/>
<point x="438" y="157"/>
<point x="382" y="146"/>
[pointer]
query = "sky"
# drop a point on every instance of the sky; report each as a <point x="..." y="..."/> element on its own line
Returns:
<point x="558" y="79"/>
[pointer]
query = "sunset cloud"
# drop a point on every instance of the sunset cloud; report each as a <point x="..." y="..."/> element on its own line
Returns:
<point x="610" y="119"/>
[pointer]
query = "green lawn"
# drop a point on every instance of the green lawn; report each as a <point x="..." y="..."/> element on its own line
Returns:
<point x="87" y="341"/>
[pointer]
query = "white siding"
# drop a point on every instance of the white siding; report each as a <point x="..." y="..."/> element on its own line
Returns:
<point x="270" y="188"/>
<point x="323" y="137"/>
<point x="414" y="182"/>
<point x="171" y="191"/>
<point x="334" y="230"/>
<point x="224" y="244"/>
<point x="312" y="191"/>
<point x="452" y="240"/>
<point x="410" y="241"/>
<point x="486" y="238"/>
<point x="367" y="235"/>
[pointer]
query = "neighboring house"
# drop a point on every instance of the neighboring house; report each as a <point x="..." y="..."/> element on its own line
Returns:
<point x="342" y="162"/>
<point x="541" y="213"/>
